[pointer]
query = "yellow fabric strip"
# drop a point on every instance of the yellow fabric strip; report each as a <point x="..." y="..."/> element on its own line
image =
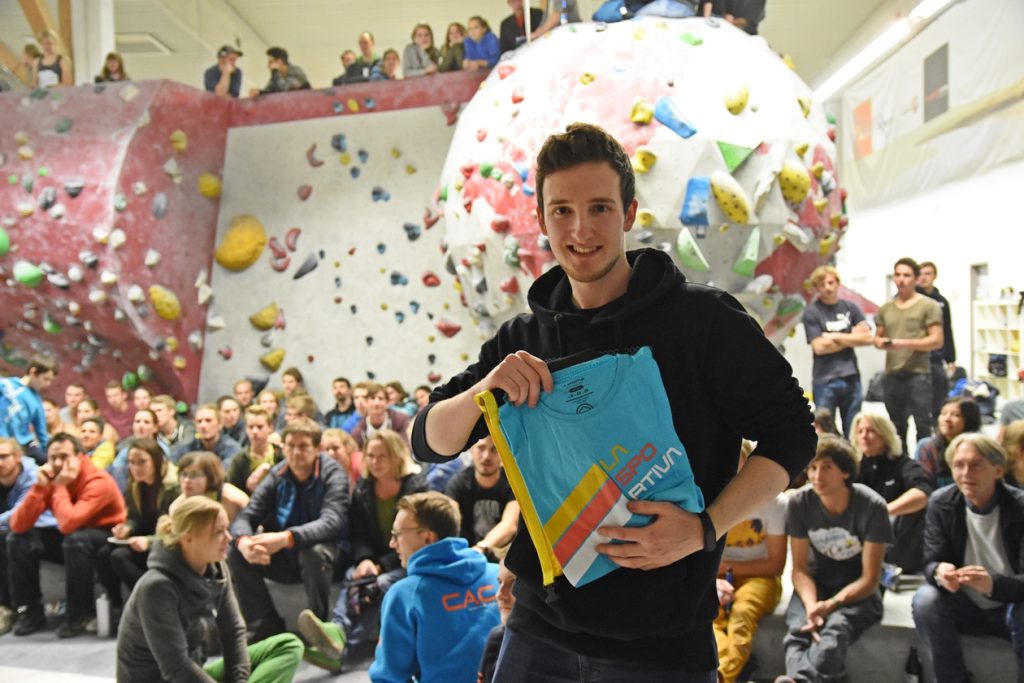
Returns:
<point x="549" y="565"/>
<point x="574" y="503"/>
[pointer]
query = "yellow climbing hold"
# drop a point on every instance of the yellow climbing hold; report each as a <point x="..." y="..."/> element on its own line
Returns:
<point x="272" y="360"/>
<point x="242" y="243"/>
<point x="820" y="204"/>
<point x="730" y="197"/>
<point x="586" y="78"/>
<point x="801" y="149"/>
<point x="817" y="169"/>
<point x="172" y="344"/>
<point x="353" y="105"/>
<point x="208" y="185"/>
<point x="264" y="318"/>
<point x="395" y="152"/>
<point x="639" y="33"/>
<point x="644" y="159"/>
<point x="645" y="217"/>
<point x="805" y="105"/>
<point x="345" y="158"/>
<point x="180" y="362"/>
<point x="736" y="100"/>
<point x="826" y="243"/>
<point x="409" y="169"/>
<point x="794" y="181"/>
<point x="642" y="111"/>
<point x="179" y="141"/>
<point x="837" y="219"/>
<point x="165" y="302"/>
<point x="788" y="61"/>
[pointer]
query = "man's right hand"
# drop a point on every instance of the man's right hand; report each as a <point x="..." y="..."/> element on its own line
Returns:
<point x="366" y="568"/>
<point x="254" y="553"/>
<point x="946" y="576"/>
<point x="521" y="376"/>
<point x="44" y="475"/>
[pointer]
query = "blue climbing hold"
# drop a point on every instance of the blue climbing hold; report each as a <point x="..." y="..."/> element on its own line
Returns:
<point x="400" y="317"/>
<point x="666" y="112"/>
<point x="339" y="142"/>
<point x="412" y="231"/>
<point x="363" y="155"/>
<point x="354" y="171"/>
<point x="379" y="194"/>
<point x="398" y="279"/>
<point x="414" y="306"/>
<point x="381" y="247"/>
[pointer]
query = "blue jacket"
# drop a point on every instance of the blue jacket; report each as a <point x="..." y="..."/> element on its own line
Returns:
<point x="21" y="413"/>
<point x="488" y="48"/>
<point x="435" y="622"/>
<point x="21" y="487"/>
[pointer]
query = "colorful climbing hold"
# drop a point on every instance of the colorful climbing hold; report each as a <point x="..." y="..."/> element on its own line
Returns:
<point x="731" y="198"/>
<point x="209" y="185"/>
<point x="379" y="194"/>
<point x="794" y="181"/>
<point x="28" y="274"/>
<point x="430" y="279"/>
<point x="272" y="359"/>
<point x="264" y="318"/>
<point x="363" y="155"/>
<point x="339" y="142"/>
<point x="736" y="100"/>
<point x="668" y="114"/>
<point x="179" y="141"/>
<point x="165" y="302"/>
<point x="242" y="244"/>
<point x="159" y="205"/>
<point x="354" y="172"/>
<point x="311" y="157"/>
<point x="308" y="266"/>
<point x="304" y="191"/>
<point x="447" y="327"/>
<point x="64" y="124"/>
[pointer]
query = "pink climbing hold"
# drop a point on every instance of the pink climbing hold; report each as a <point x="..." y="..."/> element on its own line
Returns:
<point x="517" y="96"/>
<point x="430" y="279"/>
<point x="500" y="223"/>
<point x="279" y="324"/>
<point x="313" y="161"/>
<point x="509" y="286"/>
<point x="430" y="218"/>
<point x="226" y="352"/>
<point x="434" y="377"/>
<point x="291" y="238"/>
<point x="447" y="327"/>
<point x="467" y="170"/>
<point x="505" y="70"/>
<point x="276" y="248"/>
<point x="481" y="135"/>
<point x="304" y="192"/>
<point x="280" y="263"/>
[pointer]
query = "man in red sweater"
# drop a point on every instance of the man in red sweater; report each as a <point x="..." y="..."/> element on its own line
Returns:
<point x="86" y="503"/>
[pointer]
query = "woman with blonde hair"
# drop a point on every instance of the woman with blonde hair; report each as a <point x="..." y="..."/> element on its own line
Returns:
<point x="420" y="56"/>
<point x="340" y="445"/>
<point x="162" y="635"/>
<point x="201" y="473"/>
<point x="52" y="68"/>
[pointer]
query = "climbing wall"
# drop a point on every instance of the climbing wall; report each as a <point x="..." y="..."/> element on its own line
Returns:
<point x="735" y="163"/>
<point x="107" y="200"/>
<point x="328" y="256"/>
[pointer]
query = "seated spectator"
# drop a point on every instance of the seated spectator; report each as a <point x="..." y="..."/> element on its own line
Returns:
<point x="1011" y="412"/>
<point x="87" y="408"/>
<point x="513" y="27"/>
<point x="186" y="592"/>
<point x="267" y="400"/>
<point x="838" y="532"/>
<point x="420" y="56"/>
<point x="743" y="14"/>
<point x="52" y="68"/>
<point x="557" y="11"/>
<point x="901" y="482"/>
<point x="143" y="427"/>
<point x="201" y="473"/>
<point x="292" y="381"/>
<point x="231" y="422"/>
<point x="119" y="413"/>
<point x="482" y="46"/>
<point x="505" y="600"/>
<point x="284" y="76"/>
<point x="243" y="393"/>
<point x="340" y="445"/>
<point x="435" y="621"/>
<point x="390" y="475"/>
<point x="440" y="474"/>
<point x="22" y="416"/>
<point x="73" y="393"/>
<point x="379" y="416"/>
<point x="99" y="451"/>
<point x="363" y="67"/>
<point x="248" y="467"/>
<point x="359" y="401"/>
<point x="487" y="506"/>
<point x="53" y="422"/>
<point x="957" y="415"/>
<point x="398" y="398"/>
<point x="749" y="580"/>
<point x="224" y="78"/>
<point x="113" y="69"/>
<point x="291" y="530"/>
<point x="171" y="429"/>
<point x="151" y="488"/>
<point x="344" y="407"/>
<point x="86" y="503"/>
<point x="297" y="406"/>
<point x="17" y="475"/>
<point x="1013" y="444"/>
<point x="453" y="51"/>
<point x="208" y="437"/>
<point x="974" y="558"/>
<point x="141" y="398"/>
<point x="422" y="396"/>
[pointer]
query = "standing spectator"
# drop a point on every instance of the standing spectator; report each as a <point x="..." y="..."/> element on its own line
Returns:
<point x="904" y="485"/>
<point x="453" y="51"/>
<point x="17" y="475"/>
<point x="231" y="422"/>
<point x="838" y="532"/>
<point x="482" y="46"/>
<point x="225" y="78"/>
<point x="834" y="328"/>
<point x="420" y="56"/>
<point x="365" y="64"/>
<point x="248" y="467"/>
<point x="21" y="406"/>
<point x="344" y="407"/>
<point x="744" y="14"/>
<point x="243" y="393"/>
<point x="73" y="393"/>
<point x="119" y="413"/>
<point x="291" y="530"/>
<point x="113" y="69"/>
<point x="87" y="408"/>
<point x="558" y="12"/>
<point x="141" y="398"/>
<point x="379" y="416"/>
<point x="487" y="506"/>
<point x="513" y="27"/>
<point x="86" y="503"/>
<point x="171" y="429"/>
<point x="943" y="359"/>
<point x="208" y="437"/>
<point x="186" y="592"/>
<point x="52" y="68"/>
<point x="201" y="473"/>
<point x="956" y="416"/>
<point x="907" y="329"/>
<point x="284" y="76"/>
<point x="974" y="558"/>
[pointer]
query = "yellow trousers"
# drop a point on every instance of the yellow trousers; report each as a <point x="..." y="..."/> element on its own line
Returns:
<point x="755" y="597"/>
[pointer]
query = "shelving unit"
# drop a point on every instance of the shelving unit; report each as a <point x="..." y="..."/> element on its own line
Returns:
<point x="997" y="328"/>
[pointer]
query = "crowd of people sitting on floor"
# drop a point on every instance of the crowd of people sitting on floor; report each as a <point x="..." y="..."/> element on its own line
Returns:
<point x="300" y="496"/>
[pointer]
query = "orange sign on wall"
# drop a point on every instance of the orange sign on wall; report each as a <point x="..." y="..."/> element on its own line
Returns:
<point x="862" y="129"/>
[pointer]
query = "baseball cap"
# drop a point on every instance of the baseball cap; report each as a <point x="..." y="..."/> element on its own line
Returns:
<point x="228" y="49"/>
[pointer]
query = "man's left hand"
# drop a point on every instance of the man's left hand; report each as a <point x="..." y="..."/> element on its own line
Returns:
<point x="272" y="541"/>
<point x="672" y="535"/>
<point x="976" y="577"/>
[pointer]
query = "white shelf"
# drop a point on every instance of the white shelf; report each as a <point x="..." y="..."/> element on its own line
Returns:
<point x="998" y="329"/>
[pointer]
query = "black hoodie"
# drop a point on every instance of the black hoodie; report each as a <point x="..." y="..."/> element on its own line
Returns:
<point x="162" y="635"/>
<point x="724" y="381"/>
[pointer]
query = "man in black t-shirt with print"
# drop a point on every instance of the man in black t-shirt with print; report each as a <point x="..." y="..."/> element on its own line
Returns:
<point x="489" y="509"/>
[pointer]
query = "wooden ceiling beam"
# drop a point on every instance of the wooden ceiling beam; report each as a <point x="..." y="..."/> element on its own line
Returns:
<point x="64" y="21"/>
<point x="12" y="61"/>
<point x="37" y="14"/>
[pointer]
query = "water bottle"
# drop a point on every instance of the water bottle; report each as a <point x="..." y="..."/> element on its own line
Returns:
<point x="913" y="672"/>
<point x="730" y="577"/>
<point x="103" y="616"/>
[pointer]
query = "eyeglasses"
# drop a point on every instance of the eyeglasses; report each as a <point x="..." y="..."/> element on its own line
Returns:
<point x="192" y="475"/>
<point x="395" y="533"/>
<point x="304" y="448"/>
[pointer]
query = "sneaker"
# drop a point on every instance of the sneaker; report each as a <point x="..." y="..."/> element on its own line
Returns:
<point x="74" y="627"/>
<point x="891" y="577"/>
<point x="327" y="637"/>
<point x="7" y="617"/>
<point x="30" y="619"/>
<point x="317" y="658"/>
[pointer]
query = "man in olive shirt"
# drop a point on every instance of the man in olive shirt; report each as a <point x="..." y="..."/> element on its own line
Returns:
<point x="908" y="328"/>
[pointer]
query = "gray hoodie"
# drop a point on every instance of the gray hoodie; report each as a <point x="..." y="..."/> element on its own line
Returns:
<point x="162" y="632"/>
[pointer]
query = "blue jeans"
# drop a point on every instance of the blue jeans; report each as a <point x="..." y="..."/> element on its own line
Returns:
<point x="824" y="660"/>
<point x="358" y="612"/>
<point x="940" y="618"/>
<point x="525" y="658"/>
<point x="843" y="393"/>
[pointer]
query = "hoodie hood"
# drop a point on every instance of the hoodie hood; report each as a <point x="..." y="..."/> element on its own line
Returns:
<point x="205" y="590"/>
<point x="449" y="559"/>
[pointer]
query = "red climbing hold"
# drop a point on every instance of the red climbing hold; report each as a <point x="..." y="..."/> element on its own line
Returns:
<point x="430" y="279"/>
<point x="447" y="327"/>
<point x="313" y="161"/>
<point x="304" y="192"/>
<point x="291" y="238"/>
<point x="500" y="223"/>
<point x="509" y="286"/>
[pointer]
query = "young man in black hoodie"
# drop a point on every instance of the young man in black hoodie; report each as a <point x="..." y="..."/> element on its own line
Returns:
<point x="650" y="620"/>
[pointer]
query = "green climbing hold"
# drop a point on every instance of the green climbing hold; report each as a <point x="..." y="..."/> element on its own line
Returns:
<point x="43" y="172"/>
<point x="13" y="179"/>
<point x="790" y="305"/>
<point x="831" y="118"/>
<point x="28" y="274"/>
<point x="5" y="242"/>
<point x="691" y="39"/>
<point x="144" y="373"/>
<point x="486" y="170"/>
<point x="690" y="255"/>
<point x="129" y="380"/>
<point x="444" y="194"/>
<point x="50" y="325"/>
<point x="734" y="155"/>
<point x="181" y="408"/>
<point x="64" y="125"/>
<point x="28" y="183"/>
<point x="747" y="261"/>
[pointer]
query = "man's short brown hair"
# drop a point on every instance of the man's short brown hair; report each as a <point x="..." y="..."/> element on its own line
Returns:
<point x="579" y="144"/>
<point x="910" y="263"/>
<point x="434" y="511"/>
<point x="303" y="425"/>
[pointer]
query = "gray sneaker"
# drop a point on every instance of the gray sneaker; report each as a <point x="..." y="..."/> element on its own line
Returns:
<point x="325" y="636"/>
<point x="7" y="616"/>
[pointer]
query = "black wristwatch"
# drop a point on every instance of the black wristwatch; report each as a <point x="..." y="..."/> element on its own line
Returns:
<point x="710" y="537"/>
